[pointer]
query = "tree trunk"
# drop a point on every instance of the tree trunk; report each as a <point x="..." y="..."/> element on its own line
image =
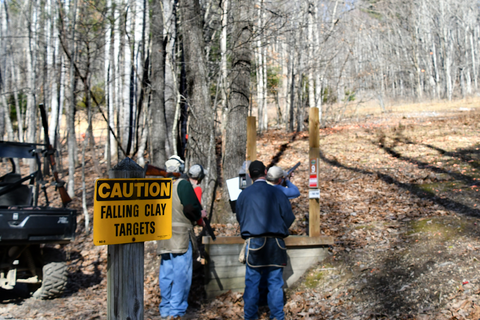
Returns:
<point x="201" y="126"/>
<point x="236" y="114"/>
<point x="170" y="34"/>
<point x="108" y="80"/>
<point x="260" y="69"/>
<point x="157" y="126"/>
<point x="311" y="50"/>
<point x="31" y="74"/>
<point x="72" y="141"/>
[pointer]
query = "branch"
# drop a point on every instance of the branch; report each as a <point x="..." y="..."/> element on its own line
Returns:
<point x="85" y="83"/>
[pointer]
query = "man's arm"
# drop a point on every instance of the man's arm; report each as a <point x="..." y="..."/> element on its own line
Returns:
<point x="291" y="190"/>
<point x="286" y="211"/>
<point x="191" y="206"/>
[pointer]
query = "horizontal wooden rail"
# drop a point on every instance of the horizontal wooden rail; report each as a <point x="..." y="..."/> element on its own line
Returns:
<point x="291" y="241"/>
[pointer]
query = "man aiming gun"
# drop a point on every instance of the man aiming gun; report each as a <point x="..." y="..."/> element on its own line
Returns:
<point x="277" y="177"/>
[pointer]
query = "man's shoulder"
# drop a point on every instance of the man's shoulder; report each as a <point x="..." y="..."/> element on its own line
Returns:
<point x="183" y="184"/>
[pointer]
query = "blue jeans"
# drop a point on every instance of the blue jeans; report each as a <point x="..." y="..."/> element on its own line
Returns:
<point x="273" y="277"/>
<point x="175" y="282"/>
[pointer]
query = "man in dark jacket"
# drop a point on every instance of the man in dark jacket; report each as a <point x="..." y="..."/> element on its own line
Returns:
<point x="264" y="214"/>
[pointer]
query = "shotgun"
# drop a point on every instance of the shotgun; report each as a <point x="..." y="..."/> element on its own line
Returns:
<point x="50" y="154"/>
<point x="156" y="171"/>
<point x="289" y="173"/>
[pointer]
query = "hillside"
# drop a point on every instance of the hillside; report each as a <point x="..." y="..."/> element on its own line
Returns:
<point x="400" y="193"/>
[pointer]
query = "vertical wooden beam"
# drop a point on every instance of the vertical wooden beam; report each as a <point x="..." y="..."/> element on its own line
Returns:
<point x="125" y="266"/>
<point x="314" y="153"/>
<point x="251" y="138"/>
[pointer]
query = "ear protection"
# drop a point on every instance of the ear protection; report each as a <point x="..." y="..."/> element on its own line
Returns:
<point x="196" y="172"/>
<point x="181" y="168"/>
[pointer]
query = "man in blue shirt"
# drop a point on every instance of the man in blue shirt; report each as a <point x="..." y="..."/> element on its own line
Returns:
<point x="276" y="176"/>
<point x="264" y="214"/>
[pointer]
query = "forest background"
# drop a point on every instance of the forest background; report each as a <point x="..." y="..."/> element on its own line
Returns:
<point x="146" y="75"/>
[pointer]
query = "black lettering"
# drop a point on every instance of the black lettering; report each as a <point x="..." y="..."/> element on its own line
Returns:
<point x="129" y="229"/>
<point x="147" y="210"/>
<point x="135" y="228"/>
<point x="115" y="211"/>
<point x="158" y="211"/>
<point x="152" y="227"/>
<point x="135" y="210"/>
<point x="122" y="230"/>
<point x="116" y="229"/>
<point x="109" y="212"/>
<point x="102" y="211"/>
<point x="164" y="206"/>
<point x="142" y="227"/>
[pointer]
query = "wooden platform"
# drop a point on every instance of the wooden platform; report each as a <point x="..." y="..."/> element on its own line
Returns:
<point x="224" y="272"/>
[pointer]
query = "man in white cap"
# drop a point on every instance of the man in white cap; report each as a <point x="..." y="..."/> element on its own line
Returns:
<point x="195" y="174"/>
<point x="276" y="176"/>
<point x="176" y="264"/>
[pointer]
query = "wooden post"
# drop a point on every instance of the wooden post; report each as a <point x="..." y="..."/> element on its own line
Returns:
<point x="125" y="266"/>
<point x="251" y="139"/>
<point x="314" y="153"/>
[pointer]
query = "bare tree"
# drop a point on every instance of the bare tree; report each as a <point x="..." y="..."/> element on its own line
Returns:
<point x="157" y="126"/>
<point x="236" y="114"/>
<point x="201" y="119"/>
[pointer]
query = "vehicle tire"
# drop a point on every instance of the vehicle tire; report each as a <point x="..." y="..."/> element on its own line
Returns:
<point x="54" y="278"/>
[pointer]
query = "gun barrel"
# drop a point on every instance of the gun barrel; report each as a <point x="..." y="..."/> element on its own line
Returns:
<point x="293" y="168"/>
<point x="155" y="171"/>
<point x="209" y="229"/>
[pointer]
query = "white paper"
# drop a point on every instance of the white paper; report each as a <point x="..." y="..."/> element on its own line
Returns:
<point x="314" y="194"/>
<point x="233" y="189"/>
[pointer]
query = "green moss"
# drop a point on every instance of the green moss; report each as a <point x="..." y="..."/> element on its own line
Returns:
<point x="435" y="187"/>
<point x="365" y="227"/>
<point x="443" y="229"/>
<point x="317" y="275"/>
<point x="312" y="280"/>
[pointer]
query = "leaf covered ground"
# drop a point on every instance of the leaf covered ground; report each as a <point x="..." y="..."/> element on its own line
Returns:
<point x="400" y="194"/>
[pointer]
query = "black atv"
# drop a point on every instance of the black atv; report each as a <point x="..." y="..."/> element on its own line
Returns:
<point x="32" y="235"/>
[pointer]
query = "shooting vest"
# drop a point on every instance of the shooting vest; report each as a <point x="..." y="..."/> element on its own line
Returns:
<point x="182" y="228"/>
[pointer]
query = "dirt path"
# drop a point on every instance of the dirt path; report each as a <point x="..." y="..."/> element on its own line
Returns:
<point x="399" y="194"/>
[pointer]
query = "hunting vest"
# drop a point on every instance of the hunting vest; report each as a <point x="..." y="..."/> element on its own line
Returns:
<point x="182" y="228"/>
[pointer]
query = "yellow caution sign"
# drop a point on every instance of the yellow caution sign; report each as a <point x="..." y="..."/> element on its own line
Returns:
<point x="132" y="210"/>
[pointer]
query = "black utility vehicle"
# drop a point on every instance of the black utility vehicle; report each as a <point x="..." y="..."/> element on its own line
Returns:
<point x="32" y="235"/>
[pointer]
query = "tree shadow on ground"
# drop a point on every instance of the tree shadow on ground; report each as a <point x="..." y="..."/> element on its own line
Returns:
<point x="394" y="287"/>
<point x="276" y="158"/>
<point x="414" y="189"/>
<point x="79" y="279"/>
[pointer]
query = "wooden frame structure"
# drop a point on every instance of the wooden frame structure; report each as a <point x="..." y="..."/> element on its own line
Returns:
<point x="223" y="270"/>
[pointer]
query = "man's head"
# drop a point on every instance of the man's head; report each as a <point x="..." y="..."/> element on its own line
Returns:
<point x="196" y="172"/>
<point x="275" y="175"/>
<point x="175" y="164"/>
<point x="256" y="170"/>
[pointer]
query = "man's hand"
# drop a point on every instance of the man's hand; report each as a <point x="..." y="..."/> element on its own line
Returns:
<point x="201" y="222"/>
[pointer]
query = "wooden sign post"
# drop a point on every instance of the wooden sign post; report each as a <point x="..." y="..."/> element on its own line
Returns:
<point x="314" y="154"/>
<point x="129" y="210"/>
<point x="125" y="266"/>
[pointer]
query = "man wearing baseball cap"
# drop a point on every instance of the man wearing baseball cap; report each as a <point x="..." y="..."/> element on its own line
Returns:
<point x="264" y="214"/>
<point x="276" y="176"/>
<point x="176" y="253"/>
